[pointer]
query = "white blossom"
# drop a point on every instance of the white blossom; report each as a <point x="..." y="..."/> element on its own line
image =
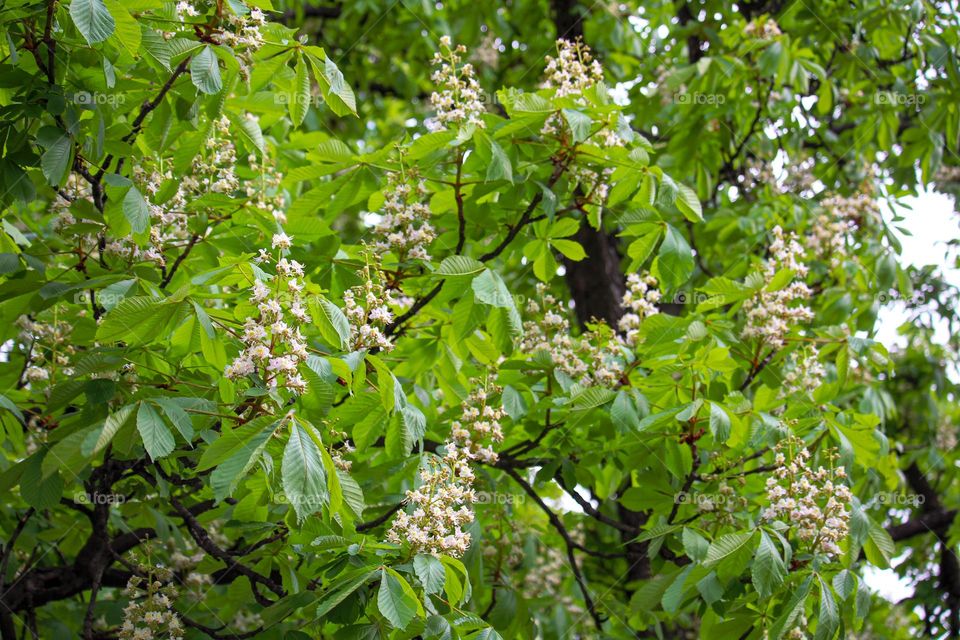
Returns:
<point x="439" y="508"/>
<point x="814" y="503"/>
<point x="404" y="226"/>
<point x="150" y="613"/>
<point x="273" y="347"/>
<point x="639" y="301"/>
<point x="771" y="314"/>
<point x="458" y="98"/>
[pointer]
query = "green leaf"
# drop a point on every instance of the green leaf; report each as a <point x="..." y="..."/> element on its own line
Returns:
<point x="155" y="47"/>
<point x="127" y="28"/>
<point x="111" y="426"/>
<point x="250" y="130"/>
<point x="137" y="320"/>
<point x="674" y="262"/>
<point x="879" y="547"/>
<point x="299" y="99"/>
<point x="56" y="157"/>
<point x="489" y="288"/>
<point x="828" y="620"/>
<point x="719" y="423"/>
<point x="688" y="203"/>
<point x="177" y="416"/>
<point x="156" y="436"/>
<point x="93" y="20"/>
<point x="205" y="71"/>
<point x="6" y="403"/>
<point x="397" y="605"/>
<point x="136" y="210"/>
<point x="579" y="124"/>
<point x="726" y="545"/>
<point x="459" y="266"/>
<point x="333" y="325"/>
<point x="225" y="477"/>
<point x="430" y="572"/>
<point x="641" y="248"/>
<point x="570" y="248"/>
<point x="499" y="167"/>
<point x="39" y="492"/>
<point x="791" y="611"/>
<point x="768" y="570"/>
<point x="304" y="479"/>
<point x="694" y="544"/>
<point x="845" y="584"/>
<point x="673" y="596"/>
<point x="231" y="441"/>
<point x="341" y="590"/>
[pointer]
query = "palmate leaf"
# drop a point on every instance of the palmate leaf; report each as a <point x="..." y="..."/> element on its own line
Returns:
<point x="231" y="441"/>
<point x="430" y="571"/>
<point x="156" y="436"/>
<point x="93" y="20"/>
<point x="726" y="545"/>
<point x="136" y="210"/>
<point x="768" y="568"/>
<point x="304" y="477"/>
<point x="395" y="599"/>
<point x="205" y="71"/>
<point x="138" y="320"/>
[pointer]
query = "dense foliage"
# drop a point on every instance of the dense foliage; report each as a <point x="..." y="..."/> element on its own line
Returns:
<point x="469" y="320"/>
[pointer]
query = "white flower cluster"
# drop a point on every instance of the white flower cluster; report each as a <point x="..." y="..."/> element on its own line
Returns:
<point x="441" y="504"/>
<point x="577" y="357"/>
<point x="814" y="503"/>
<point x="550" y="571"/>
<point x="48" y="348"/>
<point x="479" y="421"/>
<point x="273" y="345"/>
<point x="827" y="240"/>
<point x="246" y="30"/>
<point x="266" y="194"/>
<point x="458" y="99"/>
<point x="806" y="374"/>
<point x="858" y="209"/>
<point x="764" y="31"/>
<point x="244" y="622"/>
<point x="770" y="314"/>
<point x="152" y="617"/>
<point x="573" y="71"/>
<point x="185" y="9"/>
<point x="404" y="226"/>
<point x="213" y="171"/>
<point x="639" y="301"/>
<point x="367" y="307"/>
<point x="593" y="184"/>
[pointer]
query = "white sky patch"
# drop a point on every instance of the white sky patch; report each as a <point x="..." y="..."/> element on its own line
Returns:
<point x="931" y="220"/>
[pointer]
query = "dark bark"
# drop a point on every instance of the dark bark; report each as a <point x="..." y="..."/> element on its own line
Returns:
<point x="949" y="578"/>
<point x="597" y="286"/>
<point x="596" y="283"/>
